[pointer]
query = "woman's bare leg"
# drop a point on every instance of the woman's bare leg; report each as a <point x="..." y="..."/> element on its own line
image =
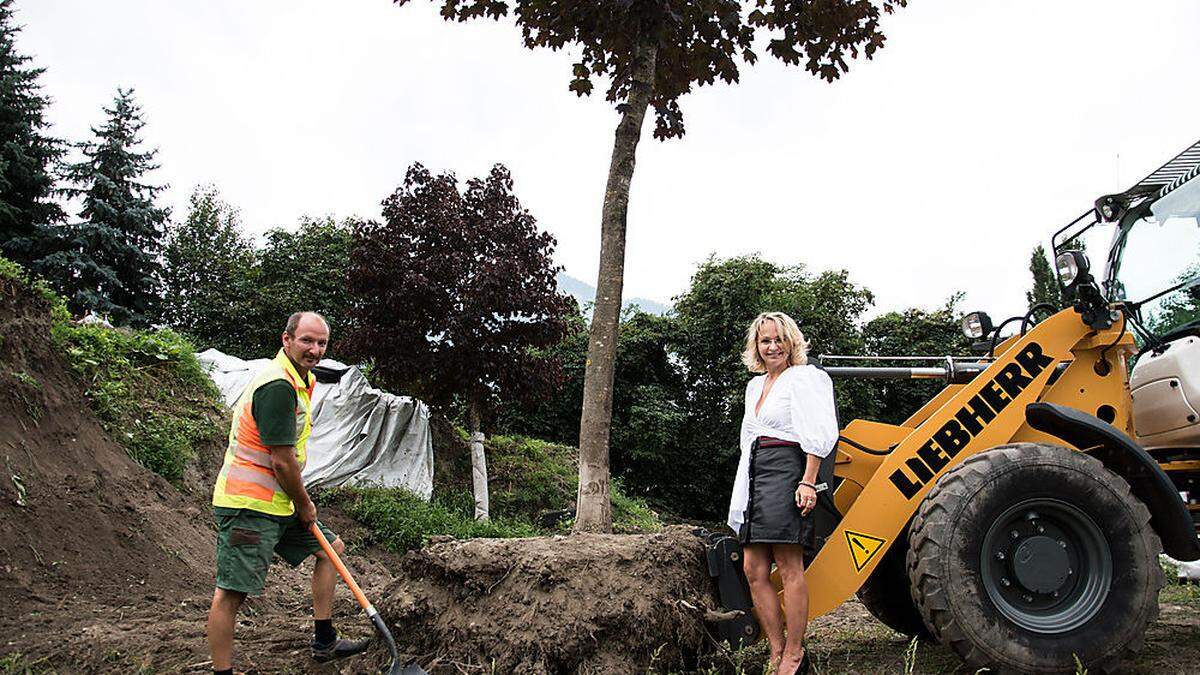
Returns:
<point x="790" y="560"/>
<point x="756" y="563"/>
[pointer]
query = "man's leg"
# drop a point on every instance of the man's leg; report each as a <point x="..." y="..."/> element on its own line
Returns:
<point x="297" y="545"/>
<point x="221" y="617"/>
<point x="324" y="579"/>
<point x="245" y="541"/>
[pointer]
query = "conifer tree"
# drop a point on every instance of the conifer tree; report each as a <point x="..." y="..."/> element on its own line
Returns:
<point x="27" y="154"/>
<point x="108" y="261"/>
<point x="1045" y="283"/>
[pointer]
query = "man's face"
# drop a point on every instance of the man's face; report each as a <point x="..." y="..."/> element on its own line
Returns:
<point x="307" y="346"/>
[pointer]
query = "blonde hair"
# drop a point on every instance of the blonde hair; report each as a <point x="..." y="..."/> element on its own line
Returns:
<point x="789" y="332"/>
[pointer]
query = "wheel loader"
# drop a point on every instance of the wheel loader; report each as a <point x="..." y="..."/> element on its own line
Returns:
<point x="1018" y="516"/>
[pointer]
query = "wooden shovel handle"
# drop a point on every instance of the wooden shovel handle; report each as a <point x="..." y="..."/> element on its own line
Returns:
<point x="337" y="563"/>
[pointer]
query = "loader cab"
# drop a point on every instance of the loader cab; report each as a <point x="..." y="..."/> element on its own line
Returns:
<point x="1152" y="235"/>
<point x="1154" y="261"/>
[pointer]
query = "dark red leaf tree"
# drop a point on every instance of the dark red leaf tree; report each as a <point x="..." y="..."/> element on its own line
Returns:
<point x="454" y="299"/>
<point x="652" y="52"/>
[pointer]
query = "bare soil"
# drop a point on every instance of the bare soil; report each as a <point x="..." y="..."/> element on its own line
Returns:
<point x="584" y="603"/>
<point x="106" y="567"/>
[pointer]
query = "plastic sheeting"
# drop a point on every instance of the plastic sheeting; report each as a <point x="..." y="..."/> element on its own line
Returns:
<point x="1185" y="571"/>
<point x="361" y="435"/>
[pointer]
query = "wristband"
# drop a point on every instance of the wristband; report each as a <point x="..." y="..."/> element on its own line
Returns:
<point x="816" y="488"/>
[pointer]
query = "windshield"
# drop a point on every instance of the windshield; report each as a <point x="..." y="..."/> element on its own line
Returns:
<point x="1157" y="252"/>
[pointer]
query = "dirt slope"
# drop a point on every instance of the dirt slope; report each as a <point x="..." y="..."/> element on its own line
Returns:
<point x="104" y="565"/>
<point x="91" y="518"/>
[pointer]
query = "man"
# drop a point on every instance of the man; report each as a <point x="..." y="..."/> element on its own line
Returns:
<point x="260" y="502"/>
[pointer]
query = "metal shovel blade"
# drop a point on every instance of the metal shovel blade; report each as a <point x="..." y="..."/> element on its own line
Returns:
<point x="396" y="668"/>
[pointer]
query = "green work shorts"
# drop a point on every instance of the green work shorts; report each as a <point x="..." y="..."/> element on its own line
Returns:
<point x="247" y="539"/>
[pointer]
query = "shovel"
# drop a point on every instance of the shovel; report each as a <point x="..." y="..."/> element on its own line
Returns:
<point x="396" y="668"/>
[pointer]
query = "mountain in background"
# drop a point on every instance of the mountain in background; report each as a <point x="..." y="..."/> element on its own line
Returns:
<point x="585" y="293"/>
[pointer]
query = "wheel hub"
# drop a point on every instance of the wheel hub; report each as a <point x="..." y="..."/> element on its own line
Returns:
<point x="1046" y="566"/>
<point x="1041" y="565"/>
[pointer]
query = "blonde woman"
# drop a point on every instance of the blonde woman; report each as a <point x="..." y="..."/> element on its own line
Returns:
<point x="788" y="427"/>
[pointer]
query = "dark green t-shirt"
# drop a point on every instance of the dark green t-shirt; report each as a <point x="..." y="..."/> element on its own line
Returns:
<point x="274" y="410"/>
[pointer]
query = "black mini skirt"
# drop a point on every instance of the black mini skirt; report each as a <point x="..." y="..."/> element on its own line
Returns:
<point x="772" y="517"/>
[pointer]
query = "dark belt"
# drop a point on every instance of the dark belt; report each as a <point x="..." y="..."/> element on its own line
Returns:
<point x="769" y="442"/>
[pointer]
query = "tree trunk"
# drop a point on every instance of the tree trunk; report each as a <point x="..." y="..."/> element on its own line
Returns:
<point x="479" y="476"/>
<point x="594" y="507"/>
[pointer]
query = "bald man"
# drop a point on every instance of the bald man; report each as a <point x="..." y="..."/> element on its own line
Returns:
<point x="259" y="500"/>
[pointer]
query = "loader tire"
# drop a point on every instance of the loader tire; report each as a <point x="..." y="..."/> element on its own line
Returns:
<point x="886" y="596"/>
<point x="1028" y="556"/>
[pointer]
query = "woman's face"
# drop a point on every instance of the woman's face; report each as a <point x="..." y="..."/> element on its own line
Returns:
<point x="771" y="347"/>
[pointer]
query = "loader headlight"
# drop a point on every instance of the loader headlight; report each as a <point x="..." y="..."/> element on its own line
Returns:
<point x="1110" y="208"/>
<point x="977" y="325"/>
<point x="1072" y="266"/>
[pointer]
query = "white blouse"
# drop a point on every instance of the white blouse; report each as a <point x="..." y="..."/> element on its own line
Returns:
<point x="798" y="408"/>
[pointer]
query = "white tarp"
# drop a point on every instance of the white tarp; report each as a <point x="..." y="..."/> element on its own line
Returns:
<point x="1185" y="571"/>
<point x="361" y="435"/>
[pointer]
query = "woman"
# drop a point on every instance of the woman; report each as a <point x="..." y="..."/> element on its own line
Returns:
<point x="789" y="425"/>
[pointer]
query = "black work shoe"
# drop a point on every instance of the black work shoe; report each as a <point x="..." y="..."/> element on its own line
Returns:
<point x="338" y="649"/>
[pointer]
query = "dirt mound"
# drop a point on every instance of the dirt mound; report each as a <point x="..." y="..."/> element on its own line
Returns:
<point x="79" y="520"/>
<point x="104" y="565"/>
<point x="584" y="603"/>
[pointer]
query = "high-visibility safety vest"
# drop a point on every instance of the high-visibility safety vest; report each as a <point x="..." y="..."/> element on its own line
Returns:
<point x="247" y="478"/>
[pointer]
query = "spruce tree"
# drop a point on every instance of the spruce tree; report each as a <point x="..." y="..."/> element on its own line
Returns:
<point x="1045" y="283"/>
<point x="108" y="261"/>
<point x="27" y="154"/>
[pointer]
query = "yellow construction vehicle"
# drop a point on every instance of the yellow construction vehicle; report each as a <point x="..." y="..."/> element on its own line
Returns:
<point x="1017" y="517"/>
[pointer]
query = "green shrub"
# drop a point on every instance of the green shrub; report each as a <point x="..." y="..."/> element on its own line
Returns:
<point x="529" y="476"/>
<point x="148" y="391"/>
<point x="399" y="520"/>
<point x="531" y="479"/>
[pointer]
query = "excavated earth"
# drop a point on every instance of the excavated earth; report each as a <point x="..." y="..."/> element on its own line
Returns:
<point x="583" y="603"/>
<point x="107" y="568"/>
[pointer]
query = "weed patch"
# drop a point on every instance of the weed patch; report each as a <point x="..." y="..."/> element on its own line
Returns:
<point x="399" y="520"/>
<point x="537" y="481"/>
<point x="28" y="390"/>
<point x="147" y="389"/>
<point x="1180" y="594"/>
<point x="16" y="663"/>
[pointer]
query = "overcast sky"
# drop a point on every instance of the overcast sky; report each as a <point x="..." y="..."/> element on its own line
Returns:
<point x="981" y="128"/>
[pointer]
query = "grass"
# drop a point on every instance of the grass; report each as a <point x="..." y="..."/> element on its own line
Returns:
<point x="537" y="481"/>
<point x="15" y="663"/>
<point x="532" y="486"/>
<point x="398" y="520"/>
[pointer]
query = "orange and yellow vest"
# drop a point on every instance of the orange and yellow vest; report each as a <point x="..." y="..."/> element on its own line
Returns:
<point x="247" y="479"/>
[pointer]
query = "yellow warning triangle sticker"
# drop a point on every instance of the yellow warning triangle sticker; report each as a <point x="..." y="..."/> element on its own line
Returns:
<point x="863" y="547"/>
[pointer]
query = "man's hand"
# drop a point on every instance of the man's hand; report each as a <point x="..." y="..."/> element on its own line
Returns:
<point x="307" y="513"/>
